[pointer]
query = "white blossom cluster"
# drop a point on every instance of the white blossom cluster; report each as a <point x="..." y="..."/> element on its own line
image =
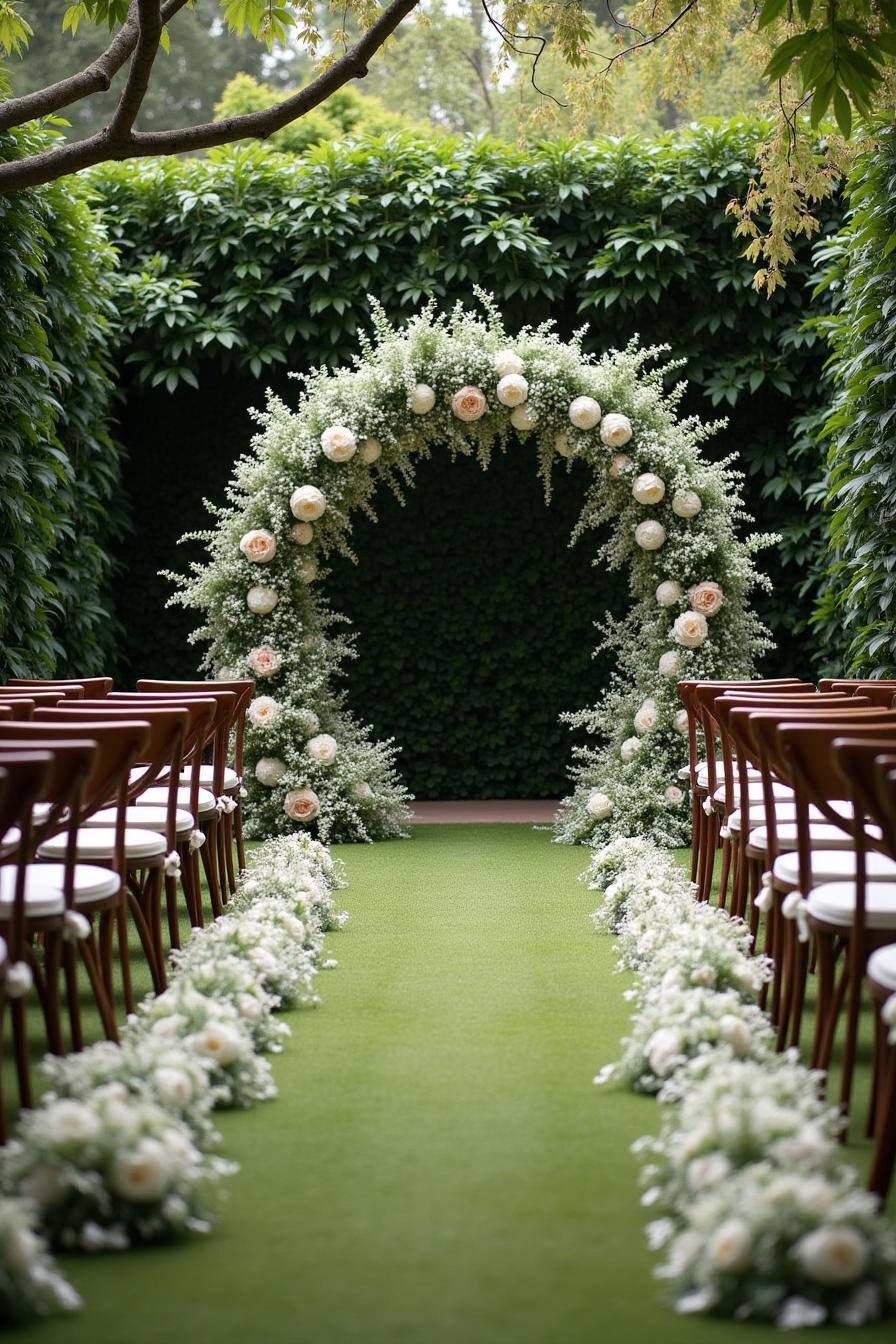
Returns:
<point x="31" y="1285"/>
<point x="460" y="384"/>
<point x="120" y="1150"/>
<point x="758" y="1217"/>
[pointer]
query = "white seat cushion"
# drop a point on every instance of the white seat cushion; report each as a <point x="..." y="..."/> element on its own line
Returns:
<point x="207" y="777"/>
<point x="785" y="811"/>
<point x="780" y="792"/>
<point x="833" y="865"/>
<point x="882" y="966"/>
<point x="703" y="773"/>
<point x="822" y="835"/>
<point x="835" y="903"/>
<point x="44" y="886"/>
<point x="157" y="796"/>
<point x="98" y="842"/>
<point x="146" y="816"/>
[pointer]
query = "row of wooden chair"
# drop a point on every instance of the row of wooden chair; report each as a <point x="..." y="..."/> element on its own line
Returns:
<point x="113" y="807"/>
<point x="796" y="784"/>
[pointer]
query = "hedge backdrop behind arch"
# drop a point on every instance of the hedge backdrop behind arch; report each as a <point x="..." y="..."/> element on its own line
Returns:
<point x="461" y="384"/>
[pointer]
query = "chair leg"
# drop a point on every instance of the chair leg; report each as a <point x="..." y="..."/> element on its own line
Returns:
<point x="855" y="966"/>
<point x="826" y="1050"/>
<point x="230" y="886"/>
<point x="826" y="980"/>
<point x="70" y="970"/>
<point x="723" y="877"/>
<point x="209" y="852"/>
<point x="884" y="1157"/>
<point x="22" y="1053"/>
<point x="91" y="956"/>
<point x="241" y="847"/>
<point x="172" y="909"/>
<point x="53" y="942"/>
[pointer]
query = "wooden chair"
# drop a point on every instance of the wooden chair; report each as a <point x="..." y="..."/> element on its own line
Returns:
<point x="93" y="687"/>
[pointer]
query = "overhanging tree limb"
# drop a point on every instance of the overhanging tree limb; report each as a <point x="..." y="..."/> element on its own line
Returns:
<point x="119" y="141"/>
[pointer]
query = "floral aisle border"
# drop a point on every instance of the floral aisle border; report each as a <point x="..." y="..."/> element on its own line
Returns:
<point x="461" y="383"/>
<point x="121" y="1150"/>
<point x="759" y="1218"/>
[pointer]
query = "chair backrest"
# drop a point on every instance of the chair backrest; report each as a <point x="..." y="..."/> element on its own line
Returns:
<point x="705" y="694"/>
<point x="12" y="695"/>
<point x="95" y="687"/>
<point x="865" y="763"/>
<point x="687" y="691"/>
<point x="70" y="690"/>
<point x="218" y="735"/>
<point x="852" y="683"/>
<point x="243" y="689"/>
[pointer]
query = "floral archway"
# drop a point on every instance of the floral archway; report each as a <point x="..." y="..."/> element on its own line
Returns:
<point x="460" y="382"/>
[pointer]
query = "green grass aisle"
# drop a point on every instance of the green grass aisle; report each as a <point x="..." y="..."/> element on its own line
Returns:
<point x="439" y="1168"/>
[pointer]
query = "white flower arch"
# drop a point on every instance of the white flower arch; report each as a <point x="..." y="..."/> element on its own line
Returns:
<point x="461" y="382"/>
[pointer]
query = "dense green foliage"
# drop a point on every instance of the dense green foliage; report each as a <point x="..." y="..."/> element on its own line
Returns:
<point x="58" y="466"/>
<point x="858" y="607"/>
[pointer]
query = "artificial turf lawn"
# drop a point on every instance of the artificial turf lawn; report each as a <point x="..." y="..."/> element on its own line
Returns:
<point x="439" y="1168"/>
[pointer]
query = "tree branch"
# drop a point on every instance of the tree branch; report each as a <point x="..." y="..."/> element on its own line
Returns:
<point x="94" y="78"/>
<point x="149" y="19"/>
<point x="70" y="157"/>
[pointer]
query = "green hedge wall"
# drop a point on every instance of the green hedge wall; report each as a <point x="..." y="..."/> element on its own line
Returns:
<point x="60" y="503"/>
<point x="237" y="268"/>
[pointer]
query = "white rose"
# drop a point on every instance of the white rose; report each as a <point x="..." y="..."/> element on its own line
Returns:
<point x="690" y="629"/>
<point x="371" y="451"/>
<point x="339" y="443"/>
<point x="630" y="748"/>
<point x="704" y="1173"/>
<point x="584" y="413"/>
<point x="259" y="545"/>
<point x="263" y="710"/>
<point x="562" y="446"/>
<point x="669" y="592"/>
<point x="731" y="1247"/>
<point x="301" y="805"/>
<point x="513" y="389"/>
<point x="686" y="503"/>
<point x="322" y="749"/>
<point x="670" y="663"/>
<point x="650" y="535"/>
<point x="307" y="503"/>
<point x="174" y="1087"/>
<point x="619" y="465"/>
<point x="142" y="1175"/>
<point x="269" y="771"/>
<point x="680" y="722"/>
<point x="673" y="796"/>
<point x="648" y="488"/>
<point x="306" y="568"/>
<point x="507" y="361"/>
<point x="615" y="430"/>
<point x="361" y="789"/>
<point x="735" y="1032"/>
<point x="219" y="1042"/>
<point x="645" y="718"/>
<point x="599" y="805"/>
<point x="422" y="399"/>
<point x="261" y="601"/>
<point x="524" y="418"/>
<point x="832" y="1255"/>
<point x="69" y="1123"/>
<point x="662" y="1049"/>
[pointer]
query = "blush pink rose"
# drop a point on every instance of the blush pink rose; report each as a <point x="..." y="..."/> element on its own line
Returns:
<point x="706" y="598"/>
<point x="469" y="403"/>
<point x="259" y="545"/>
<point x="264" y="661"/>
<point x="301" y="804"/>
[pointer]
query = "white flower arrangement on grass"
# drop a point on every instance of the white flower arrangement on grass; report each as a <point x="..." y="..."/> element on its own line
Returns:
<point x="301" y="870"/>
<point x="460" y="384"/>
<point x="274" y="946"/>
<point x="760" y="1217"/>
<point x="111" y="1170"/>
<point x="231" y="975"/>
<point x="31" y="1286"/>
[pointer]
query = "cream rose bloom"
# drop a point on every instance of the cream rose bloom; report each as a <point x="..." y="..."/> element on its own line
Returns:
<point x="615" y="430"/>
<point x="735" y="1032"/>
<point x="584" y="412"/>
<point x="646" y="717"/>
<point x="259" y="545"/>
<point x="686" y="503"/>
<point x="301" y="805"/>
<point x="339" y="443"/>
<point x="832" y="1255"/>
<point x="630" y="748"/>
<point x="371" y="451"/>
<point x="302" y="534"/>
<point x="680" y="722"/>
<point x="264" y="661"/>
<point x="650" y="535"/>
<point x="648" y="488"/>
<point x="269" y="771"/>
<point x="662" y="1049"/>
<point x="361" y="789"/>
<point x="219" y="1042"/>
<point x="673" y="796"/>
<point x="731" y="1246"/>
<point x="619" y="465"/>
<point x="307" y="503"/>
<point x="670" y="663"/>
<point x="512" y="390"/>
<point x="422" y="399"/>
<point x="507" y="361"/>
<point x="144" y="1174"/>
<point x="668" y="593"/>
<point x="690" y="629"/>
<point x="263" y="711"/>
<point x="599" y="805"/>
<point x="524" y="418"/>
<point x="261" y="601"/>
<point x="706" y="598"/>
<point x="469" y="403"/>
<point x="323" y="748"/>
<point x="173" y="1086"/>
